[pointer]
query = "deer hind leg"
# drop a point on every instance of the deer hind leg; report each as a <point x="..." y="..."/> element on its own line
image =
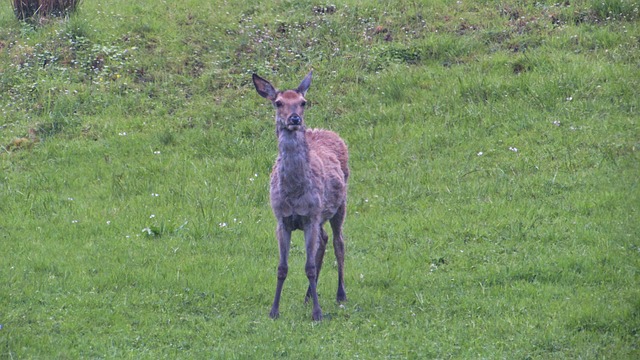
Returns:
<point x="338" y="247"/>
<point x="311" y="237"/>
<point x="322" y="246"/>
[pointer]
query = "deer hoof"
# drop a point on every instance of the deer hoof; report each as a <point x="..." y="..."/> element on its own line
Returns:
<point x="317" y="315"/>
<point x="274" y="314"/>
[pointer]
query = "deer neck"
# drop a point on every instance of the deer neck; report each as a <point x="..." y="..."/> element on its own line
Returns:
<point x="293" y="164"/>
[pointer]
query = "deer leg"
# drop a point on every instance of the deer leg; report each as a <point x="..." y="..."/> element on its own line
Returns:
<point x="311" y="236"/>
<point x="284" y="241"/>
<point x="322" y="245"/>
<point x="338" y="247"/>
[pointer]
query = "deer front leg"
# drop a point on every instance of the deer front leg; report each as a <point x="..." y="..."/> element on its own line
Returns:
<point x="311" y="237"/>
<point x="284" y="241"/>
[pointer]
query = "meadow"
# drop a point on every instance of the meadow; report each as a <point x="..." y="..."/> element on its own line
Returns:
<point x="493" y="205"/>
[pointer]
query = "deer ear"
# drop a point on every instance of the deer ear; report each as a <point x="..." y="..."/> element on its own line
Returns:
<point x="264" y="88"/>
<point x="304" y="85"/>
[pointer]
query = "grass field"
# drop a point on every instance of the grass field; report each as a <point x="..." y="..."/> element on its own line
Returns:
<point x="493" y="207"/>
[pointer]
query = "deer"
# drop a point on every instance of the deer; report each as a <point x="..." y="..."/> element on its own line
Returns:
<point x="308" y="187"/>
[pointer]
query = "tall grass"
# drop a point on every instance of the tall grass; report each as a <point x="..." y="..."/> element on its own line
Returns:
<point x="617" y="9"/>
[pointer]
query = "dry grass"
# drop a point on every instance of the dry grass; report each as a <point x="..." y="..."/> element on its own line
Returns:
<point x="29" y="9"/>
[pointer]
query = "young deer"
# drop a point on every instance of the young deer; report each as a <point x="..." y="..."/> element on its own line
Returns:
<point x="308" y="187"/>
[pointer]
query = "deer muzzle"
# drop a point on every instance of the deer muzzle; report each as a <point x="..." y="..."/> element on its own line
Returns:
<point x="295" y="120"/>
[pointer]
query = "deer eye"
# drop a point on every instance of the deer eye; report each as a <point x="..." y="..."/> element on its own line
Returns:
<point x="279" y="103"/>
<point x="304" y="103"/>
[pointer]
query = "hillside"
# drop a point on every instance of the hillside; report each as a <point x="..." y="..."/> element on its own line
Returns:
<point x="493" y="201"/>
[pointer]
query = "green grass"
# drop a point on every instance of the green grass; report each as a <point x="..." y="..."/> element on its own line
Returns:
<point x="493" y="203"/>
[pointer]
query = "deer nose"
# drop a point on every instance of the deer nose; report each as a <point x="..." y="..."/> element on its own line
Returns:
<point x="295" y="119"/>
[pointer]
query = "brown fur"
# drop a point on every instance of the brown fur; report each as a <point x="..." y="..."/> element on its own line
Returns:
<point x="308" y="188"/>
<point x="23" y="142"/>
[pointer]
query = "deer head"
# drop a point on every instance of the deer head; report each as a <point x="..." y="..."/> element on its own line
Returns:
<point x="289" y="104"/>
